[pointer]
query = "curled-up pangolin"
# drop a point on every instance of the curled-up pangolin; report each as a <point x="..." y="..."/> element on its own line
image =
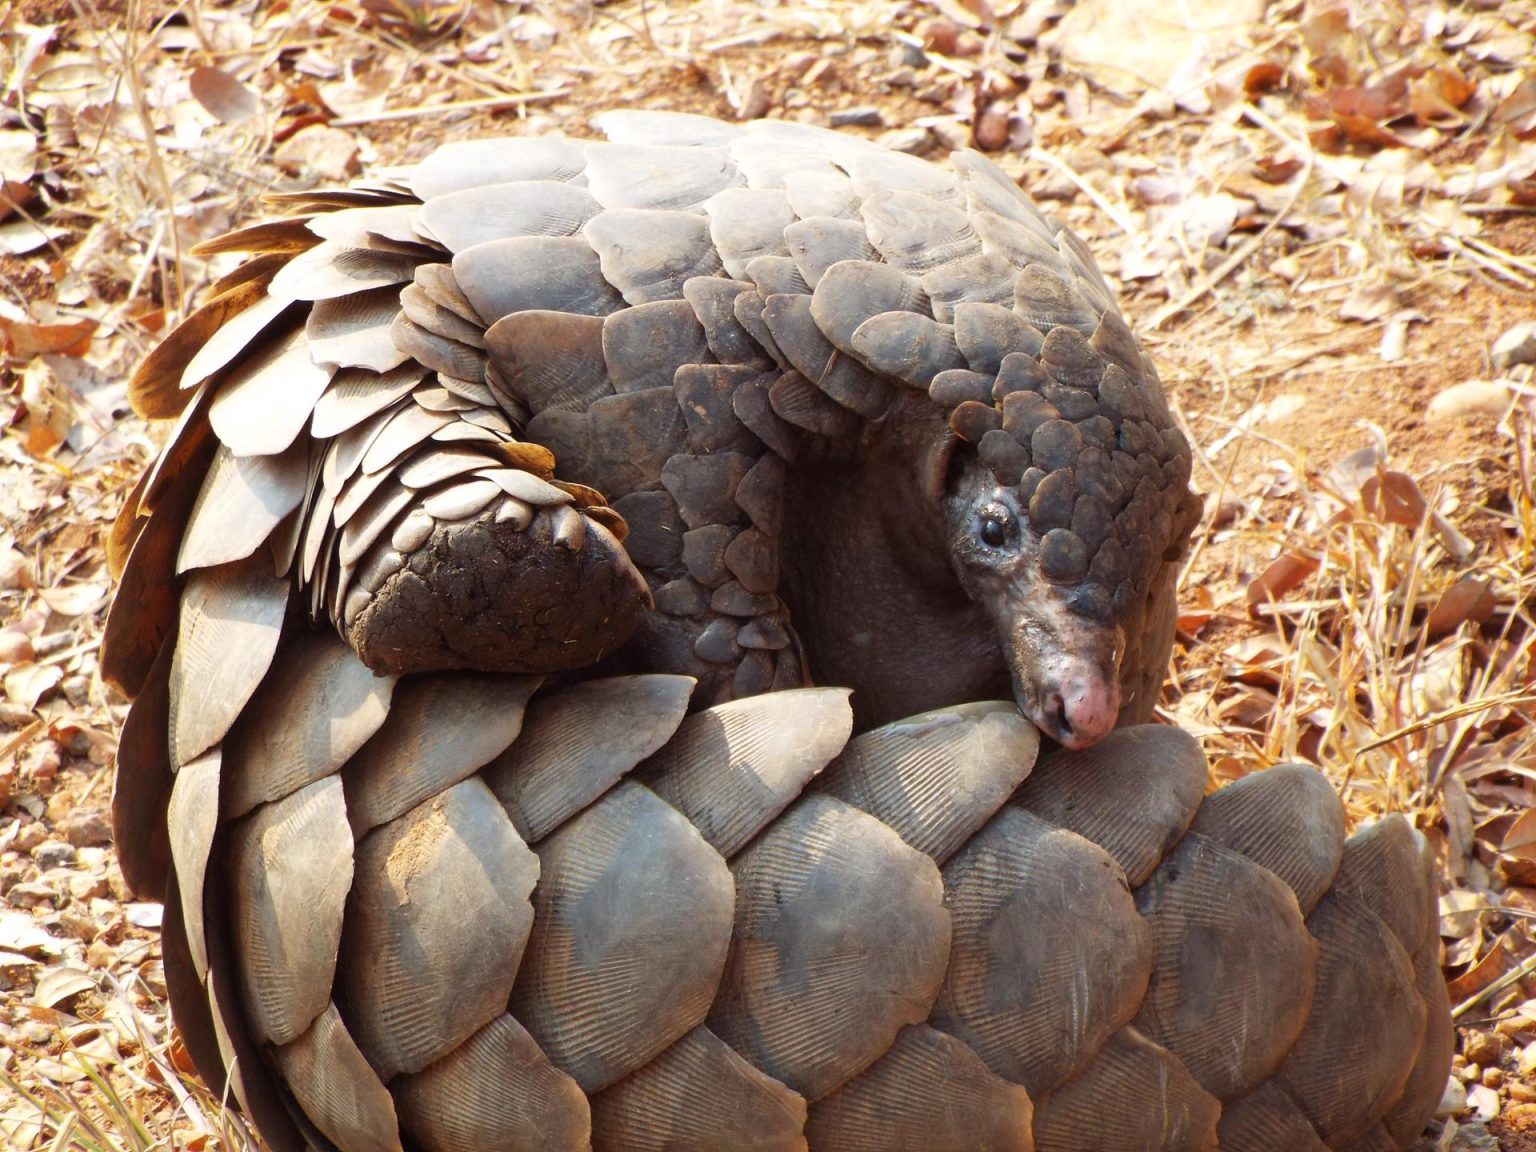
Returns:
<point x="472" y="612"/>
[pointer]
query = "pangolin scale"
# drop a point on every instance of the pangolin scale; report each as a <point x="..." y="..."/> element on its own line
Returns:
<point x="472" y="611"/>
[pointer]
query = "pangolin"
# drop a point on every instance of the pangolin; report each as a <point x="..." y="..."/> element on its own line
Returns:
<point x="518" y="500"/>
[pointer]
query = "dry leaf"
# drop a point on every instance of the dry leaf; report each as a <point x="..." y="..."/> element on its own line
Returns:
<point x="1277" y="169"/>
<point x="1370" y="302"/>
<point x="20" y="932"/>
<point x="1265" y="76"/>
<point x="20" y="236"/>
<point x="1493" y="964"/>
<point x="49" y="407"/>
<point x="320" y="151"/>
<point x="1469" y="600"/>
<point x="226" y="99"/>
<point x="1437" y="96"/>
<point x="23" y="340"/>
<point x="1286" y="573"/>
<point x="74" y="599"/>
<point x="1196" y="608"/>
<point x="1462" y="910"/>
<point x="58" y="986"/>
<point x="26" y="684"/>
<point x="59" y="1072"/>
<point x="18" y="155"/>
<point x="1255" y="660"/>
<point x="1395" y="498"/>
<point x="1520" y="838"/>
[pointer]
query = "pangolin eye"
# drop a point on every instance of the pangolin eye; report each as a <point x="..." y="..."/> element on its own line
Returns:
<point x="997" y="526"/>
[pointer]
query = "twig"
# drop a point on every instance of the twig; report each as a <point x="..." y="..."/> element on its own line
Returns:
<point x="1514" y="976"/>
<point x="508" y="99"/>
<point x="1126" y="224"/>
<point x="1467" y="708"/>
<point x="1241" y="256"/>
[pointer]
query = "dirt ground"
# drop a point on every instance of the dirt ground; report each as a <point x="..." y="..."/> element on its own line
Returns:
<point x="1320" y="218"/>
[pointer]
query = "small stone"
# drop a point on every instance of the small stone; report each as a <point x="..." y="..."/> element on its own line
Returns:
<point x="1485" y="1048"/>
<point x="934" y="93"/>
<point x="1454" y="1100"/>
<point x="100" y="955"/>
<point x="913" y="141"/>
<point x="1525" y="1059"/>
<point x="1474" y="1137"/>
<point x="1493" y="1077"/>
<point x="939" y="35"/>
<point x="952" y="134"/>
<point x="1520" y="1091"/>
<point x="31" y="894"/>
<point x="88" y="886"/>
<point x="862" y="117"/>
<point x="87" y="828"/>
<point x="36" y="1032"/>
<point x="1516" y="346"/>
<point x="76" y="689"/>
<point x="79" y="923"/>
<point x="11" y="873"/>
<point x="1471" y="398"/>
<point x="53" y="854"/>
<point x="990" y="130"/>
<point x="29" y="836"/>
<point x="15" y="646"/>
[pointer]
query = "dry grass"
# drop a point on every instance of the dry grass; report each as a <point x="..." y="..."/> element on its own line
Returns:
<point x="1360" y="598"/>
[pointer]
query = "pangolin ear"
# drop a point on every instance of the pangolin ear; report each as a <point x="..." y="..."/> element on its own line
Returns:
<point x="938" y="456"/>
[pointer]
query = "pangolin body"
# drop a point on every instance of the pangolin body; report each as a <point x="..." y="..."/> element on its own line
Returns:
<point x="471" y="612"/>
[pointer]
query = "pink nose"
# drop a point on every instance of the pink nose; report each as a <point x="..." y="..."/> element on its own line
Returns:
<point x="1088" y="707"/>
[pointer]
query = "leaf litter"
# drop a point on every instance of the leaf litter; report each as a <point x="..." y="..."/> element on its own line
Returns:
<point x="1319" y="216"/>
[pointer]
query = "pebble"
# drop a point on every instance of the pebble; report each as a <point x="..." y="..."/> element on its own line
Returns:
<point x="100" y="955"/>
<point x="30" y="893"/>
<point x="15" y="646"/>
<point x="1516" y="346"/>
<point x="1485" y="1048"/>
<point x="79" y="923"/>
<point x="939" y="35"/>
<point x="865" y="117"/>
<point x="1453" y="1101"/>
<point x="87" y="828"/>
<point x="88" y="886"/>
<point x="1471" y="397"/>
<point x="53" y="854"/>
<point x="952" y="134"/>
<point x="913" y="141"/>
<point x="29" y="836"/>
<point x="1474" y="1137"/>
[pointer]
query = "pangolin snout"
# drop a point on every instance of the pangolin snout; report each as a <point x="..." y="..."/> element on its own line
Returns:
<point x="1066" y="674"/>
<point x="1082" y="710"/>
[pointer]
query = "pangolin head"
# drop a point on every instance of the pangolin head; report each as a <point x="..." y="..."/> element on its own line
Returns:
<point x="1066" y="503"/>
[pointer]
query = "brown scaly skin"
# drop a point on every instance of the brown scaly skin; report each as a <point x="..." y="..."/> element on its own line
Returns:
<point x="493" y="598"/>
